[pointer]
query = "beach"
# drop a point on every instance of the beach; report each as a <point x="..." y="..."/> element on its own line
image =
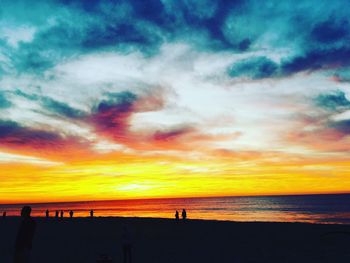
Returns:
<point x="165" y="240"/>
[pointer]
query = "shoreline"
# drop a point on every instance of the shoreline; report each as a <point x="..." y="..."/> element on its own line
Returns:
<point x="52" y="218"/>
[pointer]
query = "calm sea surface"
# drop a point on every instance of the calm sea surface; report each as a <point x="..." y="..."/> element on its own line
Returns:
<point x="302" y="208"/>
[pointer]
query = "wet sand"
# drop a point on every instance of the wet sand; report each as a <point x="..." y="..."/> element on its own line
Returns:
<point x="164" y="240"/>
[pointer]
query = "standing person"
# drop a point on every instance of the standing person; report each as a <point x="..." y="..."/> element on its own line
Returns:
<point x="56" y="214"/>
<point x="62" y="213"/>
<point x="126" y="244"/>
<point x="91" y="213"/>
<point x="71" y="213"/>
<point x="184" y="214"/>
<point x="47" y="213"/>
<point x="177" y="215"/>
<point x="25" y="235"/>
<point x="4" y="215"/>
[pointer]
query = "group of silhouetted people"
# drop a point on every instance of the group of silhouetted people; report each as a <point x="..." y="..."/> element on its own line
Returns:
<point x="183" y="215"/>
<point x="27" y="228"/>
<point x="61" y="213"/>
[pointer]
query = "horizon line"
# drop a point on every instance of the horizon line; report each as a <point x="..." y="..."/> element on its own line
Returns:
<point x="188" y="197"/>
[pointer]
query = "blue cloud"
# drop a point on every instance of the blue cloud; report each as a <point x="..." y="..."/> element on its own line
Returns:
<point x="318" y="37"/>
<point x="318" y="59"/>
<point x="255" y="68"/>
<point x="333" y="101"/>
<point x="62" y="108"/>
<point x="4" y="102"/>
<point x="330" y="30"/>
<point x="341" y="126"/>
<point x="12" y="133"/>
<point x="52" y="105"/>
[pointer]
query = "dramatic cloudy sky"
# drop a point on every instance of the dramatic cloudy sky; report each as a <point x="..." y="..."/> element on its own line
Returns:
<point x="131" y="99"/>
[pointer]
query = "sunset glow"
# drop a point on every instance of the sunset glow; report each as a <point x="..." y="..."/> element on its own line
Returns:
<point x="103" y="100"/>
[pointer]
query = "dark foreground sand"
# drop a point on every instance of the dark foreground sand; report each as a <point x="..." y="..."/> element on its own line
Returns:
<point x="164" y="240"/>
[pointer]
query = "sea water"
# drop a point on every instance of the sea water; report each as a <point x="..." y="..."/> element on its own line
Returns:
<point x="333" y="208"/>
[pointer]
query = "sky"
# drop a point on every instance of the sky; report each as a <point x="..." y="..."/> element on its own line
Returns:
<point x="133" y="99"/>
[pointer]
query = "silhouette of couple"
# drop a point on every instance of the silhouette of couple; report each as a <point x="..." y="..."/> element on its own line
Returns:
<point x="183" y="214"/>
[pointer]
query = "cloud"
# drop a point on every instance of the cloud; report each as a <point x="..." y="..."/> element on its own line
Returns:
<point x="333" y="101"/>
<point x="4" y="102"/>
<point x="253" y="68"/>
<point x="318" y="59"/>
<point x="62" y="108"/>
<point x="342" y="126"/>
<point x="317" y="37"/>
<point x="13" y="133"/>
<point x="327" y="127"/>
<point x="15" y="136"/>
<point x="95" y="66"/>
<point x="172" y="135"/>
<point x="52" y="105"/>
<point x="111" y="116"/>
<point x="15" y="158"/>
<point x="330" y="30"/>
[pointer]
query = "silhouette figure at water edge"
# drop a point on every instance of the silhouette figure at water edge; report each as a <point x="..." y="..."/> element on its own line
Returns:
<point x="177" y="215"/>
<point x="184" y="214"/>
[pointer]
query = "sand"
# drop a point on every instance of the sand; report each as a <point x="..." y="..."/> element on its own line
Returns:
<point x="166" y="241"/>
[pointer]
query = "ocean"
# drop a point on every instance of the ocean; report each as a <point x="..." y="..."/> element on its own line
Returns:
<point x="327" y="209"/>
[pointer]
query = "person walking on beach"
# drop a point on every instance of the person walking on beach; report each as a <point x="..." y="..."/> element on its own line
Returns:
<point x="184" y="214"/>
<point x="71" y="213"/>
<point x="56" y="214"/>
<point x="24" y="238"/>
<point x="62" y="213"/>
<point x="47" y="213"/>
<point x="177" y="215"/>
<point x="126" y="244"/>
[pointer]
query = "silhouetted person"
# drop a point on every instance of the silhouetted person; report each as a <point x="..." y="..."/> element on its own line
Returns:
<point x="56" y="214"/>
<point x="4" y="215"/>
<point x="61" y="214"/>
<point x="177" y="215"/>
<point x="23" y="244"/>
<point x="71" y="213"/>
<point x="184" y="214"/>
<point x="126" y="244"/>
<point x="91" y="213"/>
<point x="47" y="213"/>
